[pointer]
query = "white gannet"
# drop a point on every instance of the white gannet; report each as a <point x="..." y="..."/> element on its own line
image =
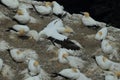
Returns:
<point x="103" y="62"/>
<point x="13" y="4"/>
<point x="34" y="67"/>
<point x="17" y="54"/>
<point x="51" y="33"/>
<point x="43" y="75"/>
<point x="31" y="54"/>
<point x="106" y="46"/>
<point x="90" y="22"/>
<point x="22" y="15"/>
<point x="110" y="48"/>
<point x="44" y="9"/>
<point x="33" y="34"/>
<point x="20" y="30"/>
<point x="110" y="75"/>
<point x="101" y="34"/>
<point x="4" y="45"/>
<point x="73" y="61"/>
<point x="58" y="9"/>
<point x="71" y="73"/>
<point x="115" y="67"/>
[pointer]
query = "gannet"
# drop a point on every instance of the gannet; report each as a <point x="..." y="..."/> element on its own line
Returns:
<point x="51" y="33"/>
<point x="44" y="9"/>
<point x="101" y="34"/>
<point x="70" y="73"/>
<point x="13" y="4"/>
<point x="43" y="75"/>
<point x="33" y="34"/>
<point x="58" y="9"/>
<point x="34" y="67"/>
<point x="31" y="54"/>
<point x="73" y="61"/>
<point x="110" y="75"/>
<point x="22" y="15"/>
<point x="17" y="54"/>
<point x="115" y="67"/>
<point x="20" y="30"/>
<point x="90" y="22"/>
<point x="103" y="62"/>
<point x="110" y="48"/>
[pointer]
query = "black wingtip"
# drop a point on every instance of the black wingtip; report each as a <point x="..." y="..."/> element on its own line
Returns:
<point x="68" y="44"/>
<point x="61" y="15"/>
<point x="10" y="28"/>
<point x="56" y="74"/>
<point x="7" y="30"/>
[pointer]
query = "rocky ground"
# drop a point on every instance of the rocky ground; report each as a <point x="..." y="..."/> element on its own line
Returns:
<point x="83" y="35"/>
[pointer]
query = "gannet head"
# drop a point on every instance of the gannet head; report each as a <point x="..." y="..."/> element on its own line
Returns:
<point x="74" y="69"/>
<point x="65" y="55"/>
<point x="68" y="30"/>
<point x="48" y="4"/>
<point x="21" y="32"/>
<point x="104" y="59"/>
<point x="19" y="12"/>
<point x="86" y="14"/>
<point x="100" y="33"/>
<point x="117" y="73"/>
<point x="18" y="52"/>
<point x="36" y="63"/>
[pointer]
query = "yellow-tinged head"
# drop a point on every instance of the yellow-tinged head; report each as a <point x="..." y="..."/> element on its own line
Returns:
<point x="36" y="63"/>
<point x="68" y="30"/>
<point x="104" y="59"/>
<point x="100" y="33"/>
<point x="65" y="55"/>
<point x="86" y="14"/>
<point x="21" y="32"/>
<point x="18" y="52"/>
<point x="48" y="4"/>
<point x="74" y="69"/>
<point x="117" y="74"/>
<point x="19" y="12"/>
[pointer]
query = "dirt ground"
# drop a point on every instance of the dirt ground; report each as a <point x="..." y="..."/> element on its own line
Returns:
<point x="90" y="46"/>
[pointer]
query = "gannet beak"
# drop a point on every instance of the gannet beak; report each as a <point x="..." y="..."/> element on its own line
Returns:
<point x="82" y="13"/>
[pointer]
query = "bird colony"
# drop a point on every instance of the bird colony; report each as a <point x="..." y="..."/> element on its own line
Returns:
<point x="41" y="41"/>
